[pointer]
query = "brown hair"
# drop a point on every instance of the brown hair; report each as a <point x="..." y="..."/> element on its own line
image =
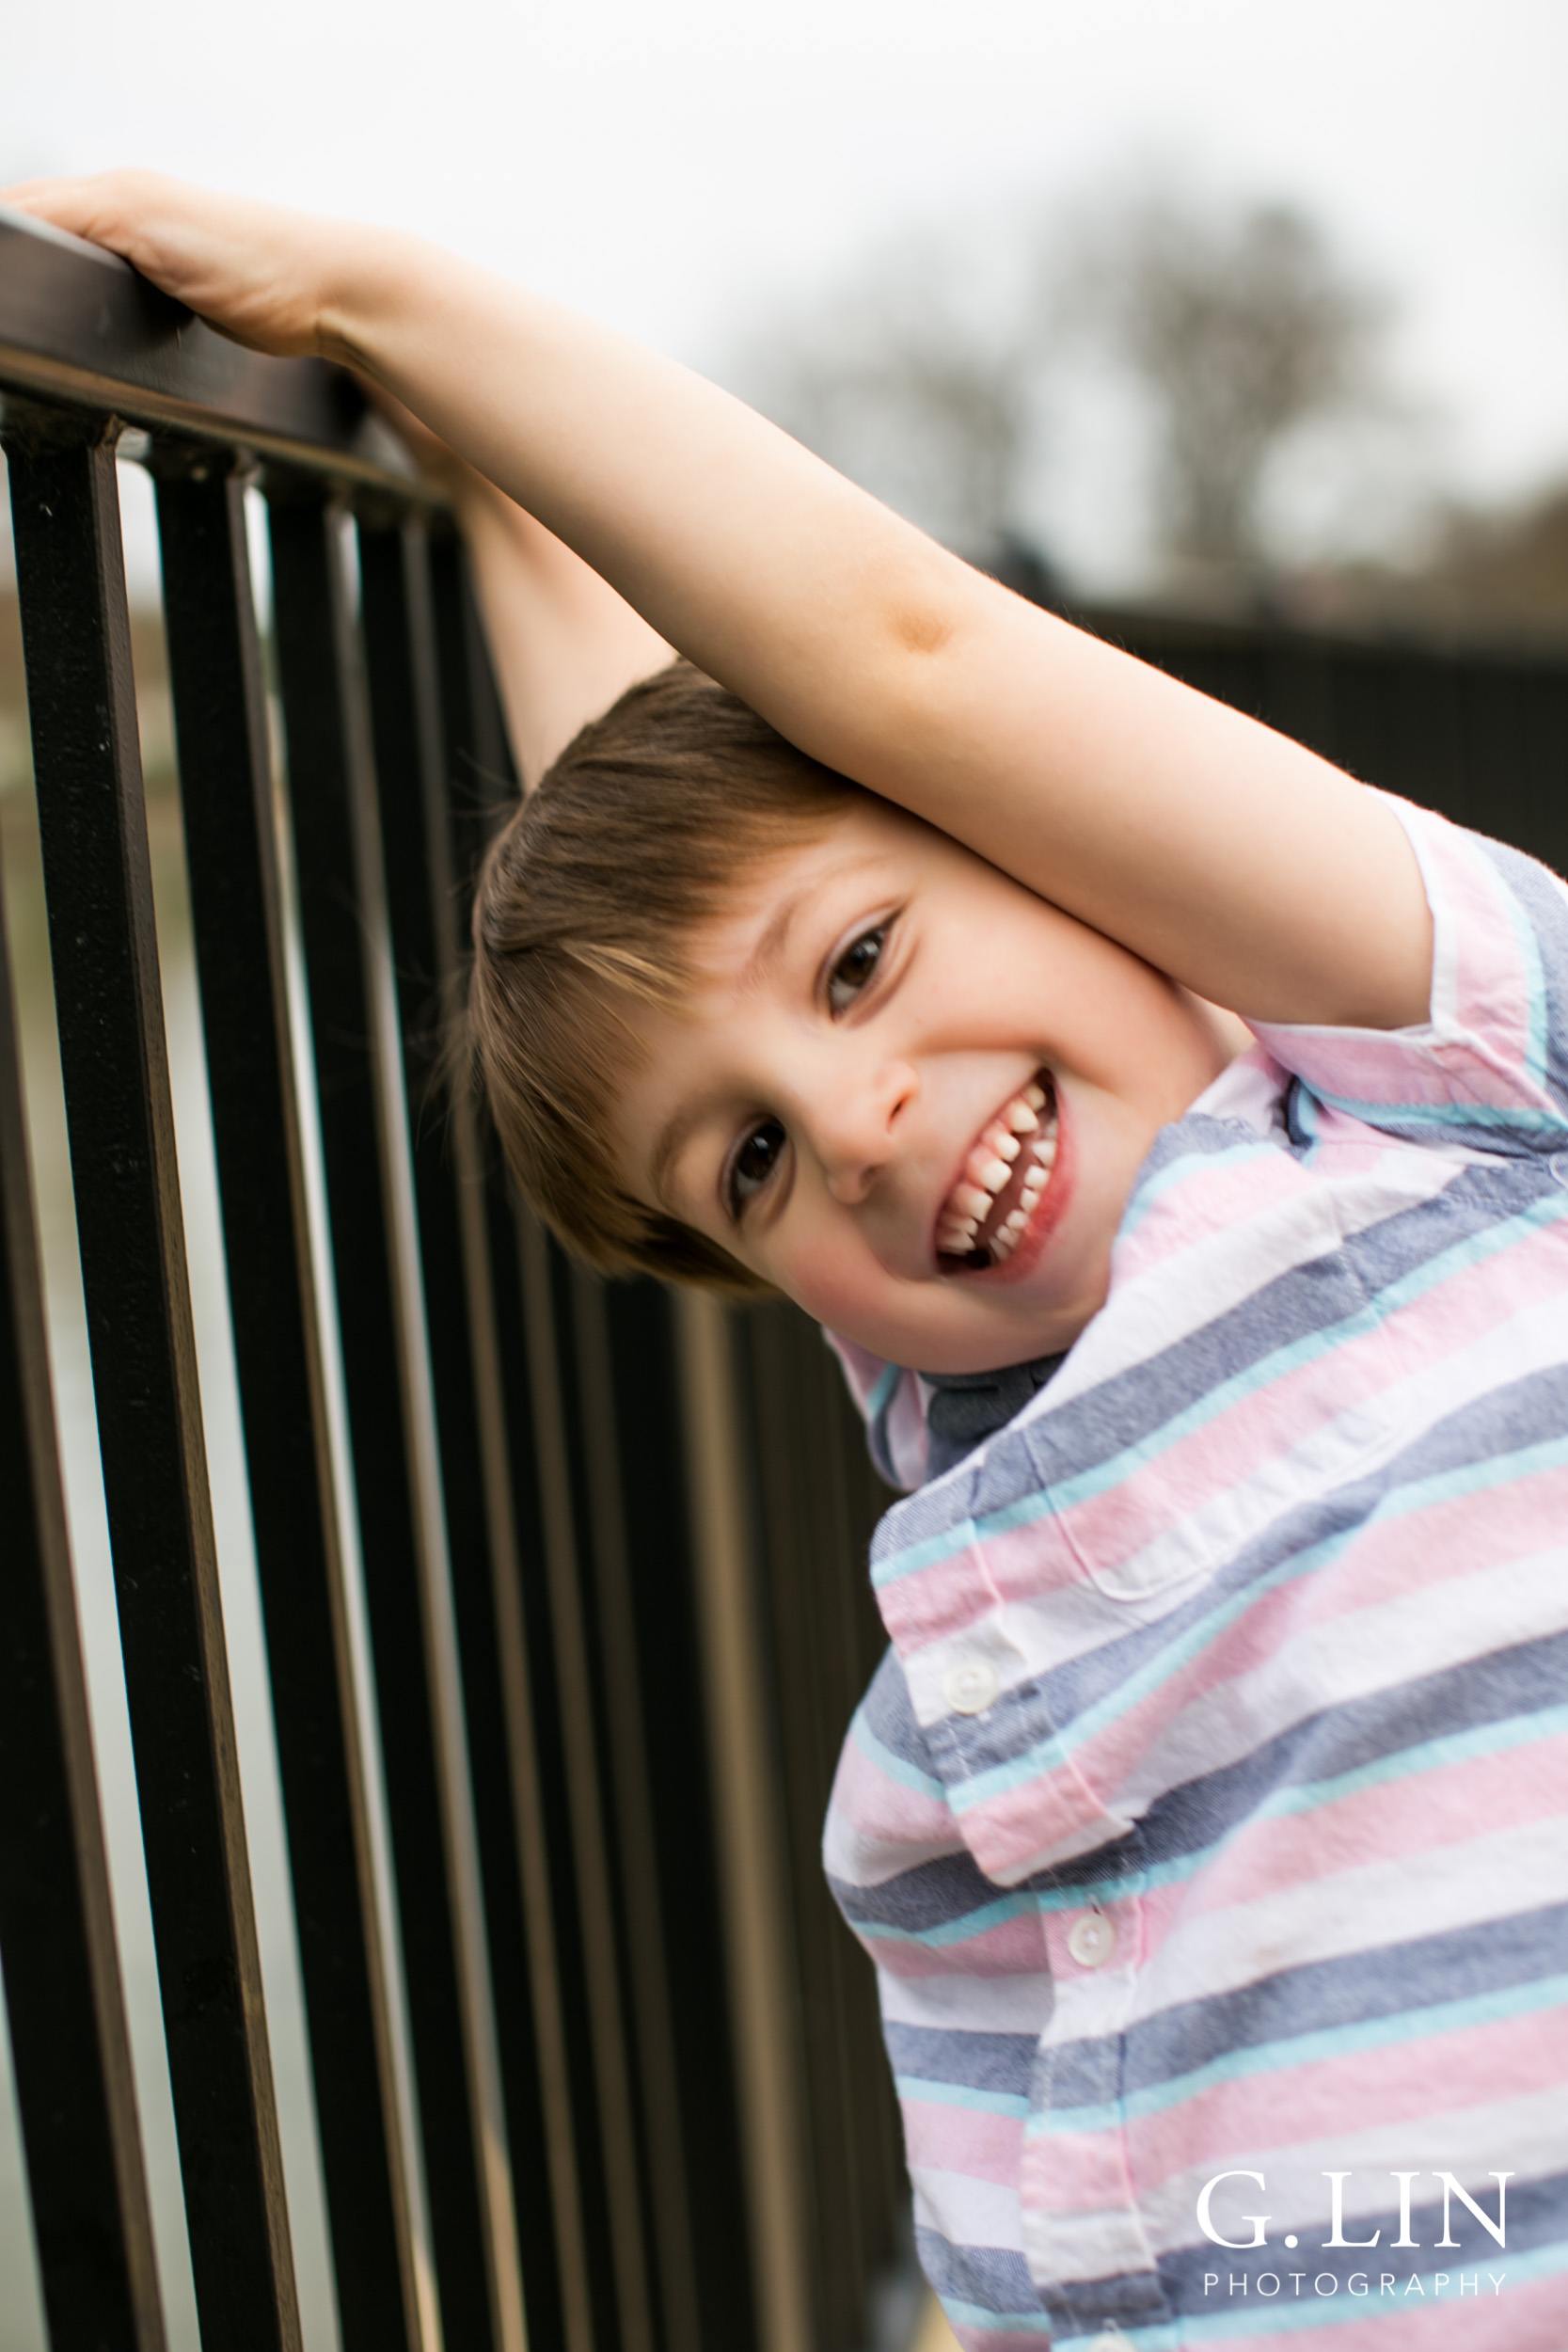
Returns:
<point x="585" y="908"/>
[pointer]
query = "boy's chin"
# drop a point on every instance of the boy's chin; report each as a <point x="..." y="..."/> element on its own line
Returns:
<point x="988" y="1345"/>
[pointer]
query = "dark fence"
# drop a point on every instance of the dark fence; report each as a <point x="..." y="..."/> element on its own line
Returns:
<point x="592" y="2063"/>
<point x="613" y="2082"/>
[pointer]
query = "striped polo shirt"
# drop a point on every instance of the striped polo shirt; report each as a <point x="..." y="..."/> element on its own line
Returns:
<point x="1208" y="1818"/>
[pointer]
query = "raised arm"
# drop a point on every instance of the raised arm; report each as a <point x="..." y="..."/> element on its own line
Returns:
<point x="565" y="644"/>
<point x="1227" y="855"/>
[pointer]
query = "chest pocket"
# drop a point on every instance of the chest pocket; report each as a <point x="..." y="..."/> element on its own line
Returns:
<point x="1252" y="1420"/>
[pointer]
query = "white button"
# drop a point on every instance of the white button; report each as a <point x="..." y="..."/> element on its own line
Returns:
<point x="1108" y="2343"/>
<point x="969" y="1688"/>
<point x="1091" y="1939"/>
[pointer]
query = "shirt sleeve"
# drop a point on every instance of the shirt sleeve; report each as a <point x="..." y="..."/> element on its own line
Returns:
<point x="1488" y="1069"/>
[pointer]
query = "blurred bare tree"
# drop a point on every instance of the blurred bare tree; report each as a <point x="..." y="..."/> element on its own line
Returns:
<point x="933" y="376"/>
<point x="917" y="379"/>
<point x="1243" y="330"/>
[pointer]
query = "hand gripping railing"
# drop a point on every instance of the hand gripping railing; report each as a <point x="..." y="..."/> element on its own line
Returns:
<point x="617" y="1619"/>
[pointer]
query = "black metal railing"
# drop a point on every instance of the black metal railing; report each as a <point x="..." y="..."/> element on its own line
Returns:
<point x="592" y="2063"/>
<point x="612" y="2079"/>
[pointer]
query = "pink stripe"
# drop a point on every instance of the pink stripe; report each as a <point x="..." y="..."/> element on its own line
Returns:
<point x="1084" y="2172"/>
<point x="876" y="1805"/>
<point x="1212" y="1199"/>
<point x="1014" y="1947"/>
<point x="1405" y="2082"/>
<point x="962" y="2140"/>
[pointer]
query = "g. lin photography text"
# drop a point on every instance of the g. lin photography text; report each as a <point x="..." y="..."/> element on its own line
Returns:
<point x="1412" y="2209"/>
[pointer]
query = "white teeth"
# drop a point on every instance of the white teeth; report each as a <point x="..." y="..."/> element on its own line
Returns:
<point x="990" y="1166"/>
<point x="980" y="1169"/>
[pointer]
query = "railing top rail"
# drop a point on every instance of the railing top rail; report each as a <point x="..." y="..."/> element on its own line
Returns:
<point x="81" y="326"/>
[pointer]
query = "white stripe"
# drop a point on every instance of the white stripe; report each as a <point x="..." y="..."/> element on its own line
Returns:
<point x="1383" y="1902"/>
<point x="1064" y="2248"/>
<point x="972" y="2003"/>
<point x="857" y="1859"/>
<point x="966" y="2210"/>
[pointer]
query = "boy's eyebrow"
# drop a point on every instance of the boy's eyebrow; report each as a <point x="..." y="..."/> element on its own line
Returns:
<point x="772" y="944"/>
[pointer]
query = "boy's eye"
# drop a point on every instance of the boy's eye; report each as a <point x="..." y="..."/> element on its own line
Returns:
<point x="855" y="966"/>
<point x="755" y="1163"/>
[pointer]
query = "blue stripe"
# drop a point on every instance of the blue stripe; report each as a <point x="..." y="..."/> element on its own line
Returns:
<point x="1383" y="1115"/>
<point x="945" y="1933"/>
<point x="887" y="1380"/>
<point x="894" y="1767"/>
<point x="1530" y="955"/>
<point x="1458" y="1747"/>
<point x="1267" y="2057"/>
<point x="1015" y="2323"/>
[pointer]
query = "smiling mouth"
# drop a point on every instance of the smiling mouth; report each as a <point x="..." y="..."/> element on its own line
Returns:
<point x="1008" y="1170"/>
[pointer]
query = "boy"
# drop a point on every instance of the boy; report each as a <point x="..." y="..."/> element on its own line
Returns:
<point x="1174" y="1133"/>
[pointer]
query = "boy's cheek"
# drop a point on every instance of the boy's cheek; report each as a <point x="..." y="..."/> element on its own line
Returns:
<point x="836" y="1280"/>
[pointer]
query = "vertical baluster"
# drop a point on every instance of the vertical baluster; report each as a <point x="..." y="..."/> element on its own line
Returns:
<point x="544" y="1289"/>
<point x="225" y="790"/>
<point x="576" y="1890"/>
<point x="423" y="902"/>
<point x="69" y="2048"/>
<point x="397" y="1474"/>
<point x="653" y="1940"/>
<point x="76" y="637"/>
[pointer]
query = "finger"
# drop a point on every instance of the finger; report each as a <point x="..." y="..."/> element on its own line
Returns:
<point x="104" y="207"/>
<point x="251" y="269"/>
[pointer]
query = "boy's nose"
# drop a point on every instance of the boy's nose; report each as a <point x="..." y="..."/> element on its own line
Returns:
<point x="858" y="1131"/>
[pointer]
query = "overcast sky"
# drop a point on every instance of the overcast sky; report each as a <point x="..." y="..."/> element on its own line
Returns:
<point x="677" y="167"/>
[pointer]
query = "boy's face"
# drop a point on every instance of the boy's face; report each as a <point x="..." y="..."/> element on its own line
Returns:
<point x="879" y="1018"/>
